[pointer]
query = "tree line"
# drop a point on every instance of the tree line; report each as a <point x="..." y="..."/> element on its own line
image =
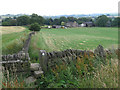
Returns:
<point x="100" y="21"/>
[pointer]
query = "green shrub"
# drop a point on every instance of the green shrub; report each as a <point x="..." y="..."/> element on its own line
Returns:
<point x="35" y="27"/>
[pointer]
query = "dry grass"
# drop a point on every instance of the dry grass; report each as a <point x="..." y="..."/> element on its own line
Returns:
<point x="107" y="76"/>
<point x="11" y="29"/>
<point x="1" y="76"/>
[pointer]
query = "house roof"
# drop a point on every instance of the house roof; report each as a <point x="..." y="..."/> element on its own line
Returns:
<point x="88" y="23"/>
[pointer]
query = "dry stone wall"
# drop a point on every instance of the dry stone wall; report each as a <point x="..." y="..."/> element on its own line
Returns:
<point x="46" y="57"/>
<point x="20" y="60"/>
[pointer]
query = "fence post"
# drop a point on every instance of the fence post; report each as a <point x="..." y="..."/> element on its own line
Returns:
<point x="43" y="59"/>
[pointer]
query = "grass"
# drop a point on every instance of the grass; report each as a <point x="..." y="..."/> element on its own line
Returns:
<point x="71" y="73"/>
<point x="14" y="79"/>
<point x="73" y="38"/>
<point x="78" y="73"/>
<point x="84" y="73"/>
<point x="11" y="29"/>
<point x="12" y="42"/>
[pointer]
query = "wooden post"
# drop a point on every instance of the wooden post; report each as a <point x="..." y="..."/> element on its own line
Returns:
<point x="43" y="59"/>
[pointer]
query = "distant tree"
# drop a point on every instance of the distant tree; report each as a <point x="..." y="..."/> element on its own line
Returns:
<point x="50" y="20"/>
<point x="56" y="21"/>
<point x="13" y="22"/>
<point x="41" y="20"/>
<point x="23" y="20"/>
<point x="101" y="21"/>
<point x="46" y="21"/>
<point x="7" y="19"/>
<point x="63" y="19"/>
<point x="9" y="22"/>
<point x="35" y="27"/>
<point x="79" y="21"/>
<point x="5" y="23"/>
<point x="36" y="19"/>
<point x="109" y="22"/>
<point x="62" y="23"/>
<point x="84" y="19"/>
<point x="71" y="19"/>
<point x="116" y="22"/>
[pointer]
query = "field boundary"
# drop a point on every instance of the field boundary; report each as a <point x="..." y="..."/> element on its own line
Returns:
<point x="19" y="60"/>
<point x="99" y="52"/>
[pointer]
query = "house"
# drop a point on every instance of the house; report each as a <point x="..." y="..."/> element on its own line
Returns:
<point x="82" y="25"/>
<point x="49" y="27"/>
<point x="56" y="26"/>
<point x="87" y="24"/>
<point x="71" y="24"/>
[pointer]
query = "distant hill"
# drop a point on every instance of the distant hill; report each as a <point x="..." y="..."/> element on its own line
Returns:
<point x="11" y="15"/>
<point x="83" y="15"/>
<point x="57" y="16"/>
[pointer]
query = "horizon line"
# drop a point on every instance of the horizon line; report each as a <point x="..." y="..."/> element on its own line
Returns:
<point x="60" y="14"/>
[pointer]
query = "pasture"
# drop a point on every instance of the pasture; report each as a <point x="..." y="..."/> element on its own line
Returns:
<point x="73" y="38"/>
<point x="84" y="38"/>
<point x="13" y="38"/>
<point x="12" y="29"/>
<point x="84" y="73"/>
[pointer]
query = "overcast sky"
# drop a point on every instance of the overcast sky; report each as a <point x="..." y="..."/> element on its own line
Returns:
<point x="58" y="7"/>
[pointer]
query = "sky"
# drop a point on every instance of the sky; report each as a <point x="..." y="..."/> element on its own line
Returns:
<point x="58" y="7"/>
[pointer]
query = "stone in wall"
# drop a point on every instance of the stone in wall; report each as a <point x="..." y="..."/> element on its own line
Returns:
<point x="34" y="66"/>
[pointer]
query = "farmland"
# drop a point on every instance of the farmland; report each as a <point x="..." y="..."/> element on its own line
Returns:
<point x="64" y="74"/>
<point x="73" y="38"/>
<point x="58" y="39"/>
<point x="13" y="38"/>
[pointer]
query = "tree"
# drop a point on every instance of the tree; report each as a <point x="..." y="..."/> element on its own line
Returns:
<point x="36" y="19"/>
<point x="9" y="22"/>
<point x="63" y="19"/>
<point x="13" y="22"/>
<point x="101" y="21"/>
<point x="62" y="23"/>
<point x="35" y="27"/>
<point x="71" y="19"/>
<point x="116" y="22"/>
<point x="46" y="22"/>
<point x="50" y="20"/>
<point x="23" y="20"/>
<point x="83" y="19"/>
<point x="56" y="21"/>
<point x="5" y="23"/>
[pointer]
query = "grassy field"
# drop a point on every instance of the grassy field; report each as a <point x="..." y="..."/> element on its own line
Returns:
<point x="69" y="75"/>
<point x="73" y="38"/>
<point x="13" y="39"/>
<point x="12" y="29"/>
<point x="85" y="72"/>
<point x="58" y="39"/>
